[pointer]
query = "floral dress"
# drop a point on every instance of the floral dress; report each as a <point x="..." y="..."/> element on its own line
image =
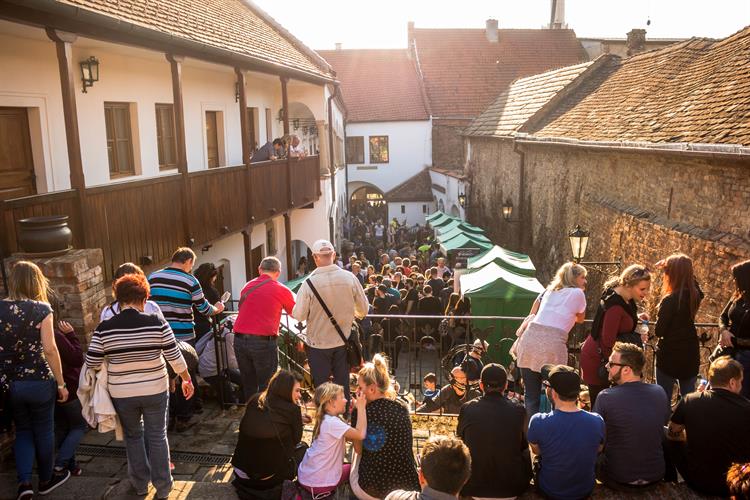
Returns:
<point x="21" y="352"/>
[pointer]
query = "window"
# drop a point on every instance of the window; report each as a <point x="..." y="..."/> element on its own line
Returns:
<point x="119" y="139"/>
<point x="269" y="125"/>
<point x="355" y="150"/>
<point x="166" y="136"/>
<point x="270" y="238"/>
<point x="212" y="138"/>
<point x="424" y="209"/>
<point x="403" y="209"/>
<point x="252" y="125"/>
<point x="378" y="149"/>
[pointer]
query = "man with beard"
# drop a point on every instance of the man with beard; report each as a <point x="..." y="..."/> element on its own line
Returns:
<point x="635" y="414"/>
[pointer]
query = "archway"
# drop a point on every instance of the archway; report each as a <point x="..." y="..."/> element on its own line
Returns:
<point x="441" y="205"/>
<point x="455" y="212"/>
<point x="300" y="250"/>
<point x="302" y="124"/>
<point x="368" y="203"/>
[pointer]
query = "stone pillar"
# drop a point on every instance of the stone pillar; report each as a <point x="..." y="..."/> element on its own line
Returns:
<point x="77" y="279"/>
<point x="325" y="159"/>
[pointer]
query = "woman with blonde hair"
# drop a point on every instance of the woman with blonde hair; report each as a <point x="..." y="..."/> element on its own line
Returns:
<point x="543" y="338"/>
<point x="31" y="373"/>
<point x="384" y="461"/>
<point x="678" y="355"/>
<point x="322" y="470"/>
<point x="615" y="320"/>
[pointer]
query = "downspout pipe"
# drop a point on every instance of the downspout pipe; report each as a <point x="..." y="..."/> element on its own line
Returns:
<point x="331" y="156"/>
<point x="521" y="192"/>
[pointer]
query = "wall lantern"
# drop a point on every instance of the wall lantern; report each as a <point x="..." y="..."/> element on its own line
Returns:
<point x="579" y="241"/>
<point x="462" y="200"/>
<point x="295" y="123"/>
<point x="236" y="91"/>
<point x="507" y="210"/>
<point x="89" y="72"/>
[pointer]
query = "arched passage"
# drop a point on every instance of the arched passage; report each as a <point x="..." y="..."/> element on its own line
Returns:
<point x="300" y="250"/>
<point x="302" y="124"/>
<point x="455" y="212"/>
<point x="368" y="203"/>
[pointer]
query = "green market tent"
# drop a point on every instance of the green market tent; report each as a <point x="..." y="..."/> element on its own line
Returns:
<point x="512" y="261"/>
<point x="437" y="223"/>
<point x="464" y="240"/>
<point x="458" y="230"/>
<point x="294" y="284"/>
<point x="495" y="291"/>
<point x="459" y="224"/>
<point x="436" y="215"/>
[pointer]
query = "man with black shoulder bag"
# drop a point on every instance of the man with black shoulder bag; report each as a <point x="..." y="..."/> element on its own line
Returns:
<point x="329" y="301"/>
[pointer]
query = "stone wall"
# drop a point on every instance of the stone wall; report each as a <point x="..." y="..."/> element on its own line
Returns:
<point x="448" y="144"/>
<point x="78" y="282"/>
<point x="638" y="206"/>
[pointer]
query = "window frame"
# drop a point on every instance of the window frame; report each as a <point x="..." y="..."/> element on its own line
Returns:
<point x="360" y="159"/>
<point x="163" y="165"/>
<point x="110" y="124"/>
<point x="374" y="160"/>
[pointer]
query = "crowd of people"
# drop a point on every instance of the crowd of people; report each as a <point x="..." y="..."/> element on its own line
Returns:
<point x="144" y="356"/>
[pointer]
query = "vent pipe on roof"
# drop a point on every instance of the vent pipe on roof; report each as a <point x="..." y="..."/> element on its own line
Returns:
<point x="491" y="30"/>
<point x="557" y="15"/>
<point x="338" y="45"/>
<point x="636" y="41"/>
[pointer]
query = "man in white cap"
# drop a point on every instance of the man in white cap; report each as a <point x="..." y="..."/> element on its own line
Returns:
<point x="343" y="296"/>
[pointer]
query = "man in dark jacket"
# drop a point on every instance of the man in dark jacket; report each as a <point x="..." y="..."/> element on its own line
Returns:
<point x="493" y="427"/>
<point x="451" y="396"/>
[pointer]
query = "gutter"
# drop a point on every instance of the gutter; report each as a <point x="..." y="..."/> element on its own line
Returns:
<point x="65" y="17"/>
<point x="725" y="151"/>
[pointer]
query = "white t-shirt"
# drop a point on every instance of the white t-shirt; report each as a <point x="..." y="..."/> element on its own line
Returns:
<point x="324" y="459"/>
<point x="151" y="307"/>
<point x="559" y="308"/>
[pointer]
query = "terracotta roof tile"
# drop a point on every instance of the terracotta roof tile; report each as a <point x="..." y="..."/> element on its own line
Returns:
<point x="464" y="72"/>
<point x="378" y="85"/>
<point x="233" y="25"/>
<point x="697" y="91"/>
<point x="416" y="188"/>
<point x="522" y="100"/>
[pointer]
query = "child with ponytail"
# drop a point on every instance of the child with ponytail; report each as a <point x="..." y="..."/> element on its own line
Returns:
<point x="323" y="469"/>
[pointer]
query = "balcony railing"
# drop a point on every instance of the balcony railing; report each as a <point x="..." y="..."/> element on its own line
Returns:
<point x="144" y="220"/>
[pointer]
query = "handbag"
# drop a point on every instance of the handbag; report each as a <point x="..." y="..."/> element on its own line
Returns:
<point x="294" y="458"/>
<point x="353" y="347"/>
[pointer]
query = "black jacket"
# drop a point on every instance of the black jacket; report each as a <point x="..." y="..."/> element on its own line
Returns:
<point x="679" y="354"/>
<point x="267" y="439"/>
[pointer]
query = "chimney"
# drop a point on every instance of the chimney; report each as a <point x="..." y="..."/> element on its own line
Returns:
<point x="338" y="45"/>
<point x="636" y="41"/>
<point x="557" y="15"/>
<point x="491" y="30"/>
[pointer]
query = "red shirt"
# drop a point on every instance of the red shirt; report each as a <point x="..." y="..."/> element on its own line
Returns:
<point x="260" y="313"/>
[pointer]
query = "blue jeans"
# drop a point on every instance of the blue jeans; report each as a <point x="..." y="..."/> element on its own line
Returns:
<point x="70" y="426"/>
<point x="532" y="382"/>
<point x="667" y="382"/>
<point x="257" y="359"/>
<point x="33" y="404"/>
<point x="325" y="363"/>
<point x="743" y="356"/>
<point x="144" y="420"/>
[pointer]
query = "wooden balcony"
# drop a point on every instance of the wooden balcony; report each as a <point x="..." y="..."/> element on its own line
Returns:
<point x="146" y="219"/>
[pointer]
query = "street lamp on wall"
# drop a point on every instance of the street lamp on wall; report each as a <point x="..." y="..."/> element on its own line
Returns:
<point x="89" y="72"/>
<point x="462" y="200"/>
<point x="236" y="91"/>
<point x="579" y="242"/>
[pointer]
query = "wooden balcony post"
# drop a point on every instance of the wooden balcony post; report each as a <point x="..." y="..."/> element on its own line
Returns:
<point x="248" y="254"/>
<point x="66" y="65"/>
<point x="246" y="150"/>
<point x="175" y="63"/>
<point x="288" y="237"/>
<point x="285" y="118"/>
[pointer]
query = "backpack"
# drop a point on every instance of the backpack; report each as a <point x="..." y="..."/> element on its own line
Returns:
<point x="608" y="299"/>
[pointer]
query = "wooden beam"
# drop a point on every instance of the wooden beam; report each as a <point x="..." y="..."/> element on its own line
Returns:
<point x="67" y="68"/>
<point x="244" y="125"/>
<point x="175" y="63"/>
<point x="285" y="118"/>
<point x="285" y="103"/>
<point x="248" y="254"/>
<point x="288" y="236"/>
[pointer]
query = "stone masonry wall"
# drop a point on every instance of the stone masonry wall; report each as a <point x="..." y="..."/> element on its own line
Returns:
<point x="447" y="143"/>
<point x="641" y="207"/>
<point x="78" y="282"/>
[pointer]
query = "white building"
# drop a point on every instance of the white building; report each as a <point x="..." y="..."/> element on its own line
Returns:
<point x="388" y="132"/>
<point x="154" y="151"/>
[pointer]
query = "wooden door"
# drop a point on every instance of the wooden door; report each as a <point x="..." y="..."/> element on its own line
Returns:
<point x="251" y="132"/>
<point x="257" y="256"/>
<point x="212" y="139"/>
<point x="17" y="177"/>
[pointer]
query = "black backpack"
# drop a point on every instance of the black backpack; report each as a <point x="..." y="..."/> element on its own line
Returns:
<point x="608" y="299"/>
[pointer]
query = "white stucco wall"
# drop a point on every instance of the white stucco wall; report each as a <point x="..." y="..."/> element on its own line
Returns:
<point x="229" y="251"/>
<point x="453" y="187"/>
<point x="413" y="211"/>
<point x="410" y="150"/>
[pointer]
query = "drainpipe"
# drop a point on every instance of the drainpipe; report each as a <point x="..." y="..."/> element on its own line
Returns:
<point x="521" y="193"/>
<point x="331" y="157"/>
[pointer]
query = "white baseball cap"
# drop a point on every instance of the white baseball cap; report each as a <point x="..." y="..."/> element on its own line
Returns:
<point x="322" y="247"/>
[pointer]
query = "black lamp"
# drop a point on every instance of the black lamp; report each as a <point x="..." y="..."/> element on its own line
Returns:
<point x="579" y="241"/>
<point x="507" y="210"/>
<point x="462" y="200"/>
<point x="89" y="72"/>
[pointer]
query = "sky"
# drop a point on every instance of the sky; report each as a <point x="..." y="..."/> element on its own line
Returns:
<point x="382" y="23"/>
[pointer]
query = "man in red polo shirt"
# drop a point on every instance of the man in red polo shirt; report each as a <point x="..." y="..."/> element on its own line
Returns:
<point x="257" y="326"/>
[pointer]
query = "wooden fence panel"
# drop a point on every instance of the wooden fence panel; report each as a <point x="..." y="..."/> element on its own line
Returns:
<point x="218" y="202"/>
<point x="305" y="180"/>
<point x="269" y="189"/>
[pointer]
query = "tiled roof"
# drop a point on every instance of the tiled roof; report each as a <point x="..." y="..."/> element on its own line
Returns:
<point x="417" y="188"/>
<point x="697" y="91"/>
<point x="378" y="85"/>
<point x="522" y="99"/>
<point x="233" y="25"/>
<point x="464" y="72"/>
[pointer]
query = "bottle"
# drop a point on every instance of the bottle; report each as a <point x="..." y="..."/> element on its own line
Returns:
<point x="643" y="331"/>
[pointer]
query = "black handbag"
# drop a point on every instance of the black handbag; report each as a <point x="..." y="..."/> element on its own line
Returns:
<point x="353" y="347"/>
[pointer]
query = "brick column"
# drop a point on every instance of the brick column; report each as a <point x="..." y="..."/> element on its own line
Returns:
<point x="77" y="279"/>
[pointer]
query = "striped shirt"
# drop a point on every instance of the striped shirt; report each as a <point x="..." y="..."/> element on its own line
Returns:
<point x="177" y="292"/>
<point x="133" y="343"/>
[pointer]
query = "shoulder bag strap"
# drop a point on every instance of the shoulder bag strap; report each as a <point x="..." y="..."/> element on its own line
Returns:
<point x="255" y="287"/>
<point x="327" y="311"/>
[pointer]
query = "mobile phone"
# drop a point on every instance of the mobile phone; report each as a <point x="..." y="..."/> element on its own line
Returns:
<point x="225" y="296"/>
